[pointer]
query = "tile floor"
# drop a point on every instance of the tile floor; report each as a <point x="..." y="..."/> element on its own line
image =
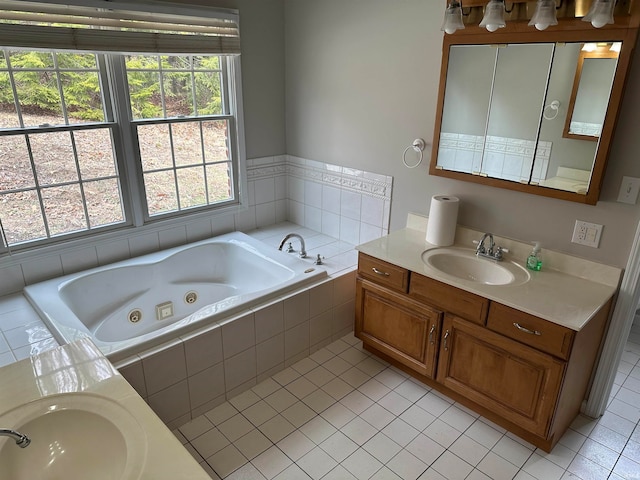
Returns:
<point x="343" y="414"/>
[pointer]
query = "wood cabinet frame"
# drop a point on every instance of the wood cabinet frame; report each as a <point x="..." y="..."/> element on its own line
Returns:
<point x="574" y="30"/>
<point x="472" y="359"/>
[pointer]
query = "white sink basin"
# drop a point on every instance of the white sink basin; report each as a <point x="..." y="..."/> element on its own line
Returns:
<point x="465" y="265"/>
<point x="73" y="436"/>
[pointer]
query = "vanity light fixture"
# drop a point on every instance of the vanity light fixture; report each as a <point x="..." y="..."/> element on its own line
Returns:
<point x="589" y="47"/>
<point x="452" y="17"/>
<point x="494" y="16"/>
<point x="545" y="15"/>
<point x="600" y="13"/>
<point x="616" y="47"/>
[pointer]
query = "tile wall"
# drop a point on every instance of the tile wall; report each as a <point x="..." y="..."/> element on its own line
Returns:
<point x="346" y="204"/>
<point x="343" y="203"/>
<point x="508" y="158"/>
<point x="184" y="378"/>
<point x="583" y="128"/>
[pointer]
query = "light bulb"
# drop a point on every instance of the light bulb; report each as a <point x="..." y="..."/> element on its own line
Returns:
<point x="545" y="15"/>
<point x="452" y="18"/>
<point x="600" y="13"/>
<point x="493" y="16"/>
<point x="599" y="21"/>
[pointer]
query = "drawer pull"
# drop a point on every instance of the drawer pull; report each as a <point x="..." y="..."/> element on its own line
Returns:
<point x="526" y="330"/>
<point x="379" y="272"/>
<point x="431" y="332"/>
<point x="446" y="337"/>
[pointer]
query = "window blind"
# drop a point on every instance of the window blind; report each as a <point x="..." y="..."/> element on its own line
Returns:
<point x="103" y="25"/>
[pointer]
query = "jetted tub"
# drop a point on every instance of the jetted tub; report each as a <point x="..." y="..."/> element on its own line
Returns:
<point x="135" y="304"/>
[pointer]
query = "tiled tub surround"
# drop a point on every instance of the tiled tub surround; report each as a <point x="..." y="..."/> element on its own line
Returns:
<point x="226" y="358"/>
<point x="131" y="306"/>
<point x="186" y="377"/>
<point x="507" y="158"/>
<point x="345" y="204"/>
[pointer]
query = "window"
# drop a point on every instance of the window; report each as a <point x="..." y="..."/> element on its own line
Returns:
<point x="94" y="139"/>
<point x="182" y="124"/>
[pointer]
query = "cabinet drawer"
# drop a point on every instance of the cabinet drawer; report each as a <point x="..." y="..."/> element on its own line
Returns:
<point x="450" y="299"/>
<point x="533" y="331"/>
<point x="383" y="273"/>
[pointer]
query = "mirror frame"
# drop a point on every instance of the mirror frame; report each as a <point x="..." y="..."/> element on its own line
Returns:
<point x="571" y="30"/>
<point x="574" y="92"/>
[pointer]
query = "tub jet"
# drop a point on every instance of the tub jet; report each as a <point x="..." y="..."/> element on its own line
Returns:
<point x="135" y="315"/>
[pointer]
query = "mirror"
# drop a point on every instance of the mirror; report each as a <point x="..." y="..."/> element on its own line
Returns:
<point x="533" y="116"/>
<point x="595" y="71"/>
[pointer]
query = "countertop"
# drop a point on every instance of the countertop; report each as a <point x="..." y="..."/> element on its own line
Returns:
<point x="565" y="298"/>
<point x="81" y="368"/>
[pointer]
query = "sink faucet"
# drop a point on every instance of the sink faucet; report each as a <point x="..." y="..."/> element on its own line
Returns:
<point x="21" y="440"/>
<point x="492" y="251"/>
<point x="482" y="250"/>
<point x="303" y="252"/>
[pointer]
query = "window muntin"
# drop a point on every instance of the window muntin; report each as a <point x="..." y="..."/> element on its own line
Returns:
<point x="58" y="173"/>
<point x="183" y="141"/>
<point x="176" y="102"/>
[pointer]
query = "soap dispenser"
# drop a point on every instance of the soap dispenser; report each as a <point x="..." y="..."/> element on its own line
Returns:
<point x="534" y="262"/>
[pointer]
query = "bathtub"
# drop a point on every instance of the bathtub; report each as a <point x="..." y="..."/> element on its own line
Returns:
<point x="133" y="305"/>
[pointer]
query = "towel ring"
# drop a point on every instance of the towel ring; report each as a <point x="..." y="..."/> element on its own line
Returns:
<point x="555" y="106"/>
<point x="418" y="145"/>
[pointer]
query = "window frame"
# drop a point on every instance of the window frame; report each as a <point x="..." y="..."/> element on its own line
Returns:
<point x="112" y="74"/>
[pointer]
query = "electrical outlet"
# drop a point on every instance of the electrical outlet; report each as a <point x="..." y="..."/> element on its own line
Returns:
<point x="629" y="190"/>
<point x="585" y="233"/>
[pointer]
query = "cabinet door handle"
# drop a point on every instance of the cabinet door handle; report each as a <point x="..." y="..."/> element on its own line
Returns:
<point x="380" y="272"/>
<point x="526" y="330"/>
<point x="446" y="337"/>
<point x="431" y="332"/>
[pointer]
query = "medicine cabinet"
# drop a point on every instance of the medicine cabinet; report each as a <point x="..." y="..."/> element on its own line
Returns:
<point x="531" y="111"/>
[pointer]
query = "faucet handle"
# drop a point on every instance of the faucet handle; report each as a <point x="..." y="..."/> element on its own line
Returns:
<point x="290" y="248"/>
<point x="499" y="251"/>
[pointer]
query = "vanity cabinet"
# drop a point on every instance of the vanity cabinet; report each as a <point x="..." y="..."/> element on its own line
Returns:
<point x="398" y="326"/>
<point x="519" y="383"/>
<point x="523" y="372"/>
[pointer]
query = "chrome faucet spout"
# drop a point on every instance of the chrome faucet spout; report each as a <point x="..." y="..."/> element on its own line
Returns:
<point x="492" y="251"/>
<point x="303" y="252"/>
<point x="21" y="440"/>
<point x="482" y="249"/>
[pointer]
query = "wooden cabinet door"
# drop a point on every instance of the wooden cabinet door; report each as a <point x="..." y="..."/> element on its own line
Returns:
<point x="398" y="326"/>
<point x="516" y="382"/>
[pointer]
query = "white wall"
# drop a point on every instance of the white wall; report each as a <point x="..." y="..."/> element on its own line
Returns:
<point x="362" y="79"/>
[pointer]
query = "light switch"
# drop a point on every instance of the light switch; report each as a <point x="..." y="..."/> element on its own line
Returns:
<point x="629" y="190"/>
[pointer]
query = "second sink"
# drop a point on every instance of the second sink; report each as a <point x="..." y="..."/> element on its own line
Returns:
<point x="463" y="264"/>
<point x="73" y="436"/>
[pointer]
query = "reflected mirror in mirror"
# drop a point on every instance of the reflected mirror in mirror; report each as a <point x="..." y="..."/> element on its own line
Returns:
<point x="591" y="88"/>
<point x="497" y="121"/>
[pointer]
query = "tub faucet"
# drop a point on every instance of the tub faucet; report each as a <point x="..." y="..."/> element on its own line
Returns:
<point x="21" y="440"/>
<point x="303" y="252"/>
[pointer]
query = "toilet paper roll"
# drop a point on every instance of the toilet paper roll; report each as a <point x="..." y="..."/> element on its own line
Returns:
<point x="443" y="218"/>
